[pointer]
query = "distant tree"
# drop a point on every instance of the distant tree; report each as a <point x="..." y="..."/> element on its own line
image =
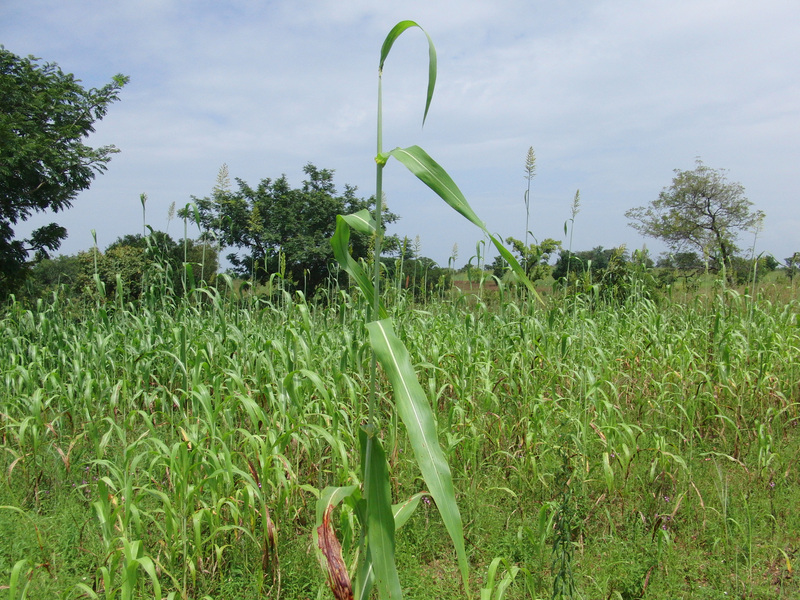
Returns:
<point x="750" y="270"/>
<point x="792" y="265"/>
<point x="421" y="276"/>
<point x="49" y="274"/>
<point x="576" y="264"/>
<point x="534" y="257"/>
<point x="771" y="263"/>
<point x="700" y="210"/>
<point x="688" y="261"/>
<point x="45" y="115"/>
<point x="129" y="266"/>
<point x="158" y="250"/>
<point x="280" y="229"/>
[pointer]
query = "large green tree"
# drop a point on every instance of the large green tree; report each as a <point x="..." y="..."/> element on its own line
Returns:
<point x="701" y="210"/>
<point x="279" y="229"/>
<point x="45" y="115"/>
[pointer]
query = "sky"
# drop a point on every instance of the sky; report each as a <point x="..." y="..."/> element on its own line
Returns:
<point x="613" y="95"/>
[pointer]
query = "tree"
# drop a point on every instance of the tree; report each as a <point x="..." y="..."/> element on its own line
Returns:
<point x="45" y="114"/>
<point x="701" y="210"/>
<point x="281" y="229"/>
<point x="535" y="258"/>
<point x="159" y="250"/>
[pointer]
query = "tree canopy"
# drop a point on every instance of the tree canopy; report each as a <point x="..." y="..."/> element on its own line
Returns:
<point x="701" y="210"/>
<point x="45" y="114"/>
<point x="535" y="258"/>
<point x="279" y="229"/>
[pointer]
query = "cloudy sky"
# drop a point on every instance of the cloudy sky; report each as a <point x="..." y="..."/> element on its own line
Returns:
<point x="613" y="95"/>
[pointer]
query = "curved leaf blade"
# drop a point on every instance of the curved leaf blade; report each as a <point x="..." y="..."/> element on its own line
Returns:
<point x="396" y="31"/>
<point x="340" y="242"/>
<point x="415" y="411"/>
<point x="437" y="179"/>
<point x="380" y="517"/>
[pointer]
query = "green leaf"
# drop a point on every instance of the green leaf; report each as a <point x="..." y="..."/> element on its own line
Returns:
<point x="380" y="519"/>
<point x="415" y="411"/>
<point x="361" y="221"/>
<point x="16" y="573"/>
<point x="340" y="242"/>
<point x="436" y="178"/>
<point x="404" y="510"/>
<point x="396" y="31"/>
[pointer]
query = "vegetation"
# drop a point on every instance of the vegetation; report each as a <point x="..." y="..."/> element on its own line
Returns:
<point x="624" y="436"/>
<point x="127" y="268"/>
<point x="701" y="210"/>
<point x="535" y="258"/>
<point x="281" y="229"/>
<point x="651" y="445"/>
<point x="45" y="115"/>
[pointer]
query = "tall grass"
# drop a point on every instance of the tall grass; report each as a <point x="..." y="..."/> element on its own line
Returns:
<point x="587" y="446"/>
<point x="196" y="440"/>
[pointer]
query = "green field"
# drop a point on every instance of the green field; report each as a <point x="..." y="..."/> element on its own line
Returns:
<point x="176" y="447"/>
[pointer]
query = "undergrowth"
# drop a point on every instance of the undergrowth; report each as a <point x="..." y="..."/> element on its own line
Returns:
<point x="637" y="450"/>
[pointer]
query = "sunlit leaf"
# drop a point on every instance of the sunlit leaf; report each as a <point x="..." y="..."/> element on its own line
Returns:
<point x="436" y="178"/>
<point x="340" y="242"/>
<point x="380" y="519"/>
<point x="415" y="411"/>
<point x="396" y="31"/>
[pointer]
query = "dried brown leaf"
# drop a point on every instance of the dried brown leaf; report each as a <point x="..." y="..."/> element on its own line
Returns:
<point x="333" y="564"/>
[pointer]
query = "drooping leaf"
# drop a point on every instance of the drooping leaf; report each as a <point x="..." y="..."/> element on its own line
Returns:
<point x="404" y="510"/>
<point x="332" y="496"/>
<point x="361" y="221"/>
<point x="340" y="242"/>
<point x="380" y="518"/>
<point x="396" y="31"/>
<point x="436" y="178"/>
<point x="415" y="411"/>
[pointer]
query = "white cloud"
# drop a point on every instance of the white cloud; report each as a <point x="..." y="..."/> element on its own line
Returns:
<point x="613" y="96"/>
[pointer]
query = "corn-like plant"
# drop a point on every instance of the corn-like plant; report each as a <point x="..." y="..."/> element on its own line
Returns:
<point x="377" y="560"/>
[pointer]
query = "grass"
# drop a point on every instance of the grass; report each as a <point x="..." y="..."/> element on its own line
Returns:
<point x="663" y="436"/>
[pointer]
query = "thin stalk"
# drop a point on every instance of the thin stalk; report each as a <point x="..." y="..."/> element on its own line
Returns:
<point x="376" y="262"/>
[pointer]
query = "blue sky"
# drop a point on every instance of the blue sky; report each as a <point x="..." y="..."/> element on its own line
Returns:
<point x="612" y="95"/>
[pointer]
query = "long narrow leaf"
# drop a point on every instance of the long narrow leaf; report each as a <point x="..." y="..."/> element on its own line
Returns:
<point x="396" y="31"/>
<point x="380" y="519"/>
<point x="361" y="221"/>
<point x="436" y="178"/>
<point x="340" y="242"/>
<point x="415" y="411"/>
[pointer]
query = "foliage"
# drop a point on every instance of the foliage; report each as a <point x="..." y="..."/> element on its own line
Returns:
<point x="44" y="116"/>
<point x="126" y="268"/>
<point x="534" y="257"/>
<point x="679" y="419"/>
<point x="52" y="274"/>
<point x="280" y="229"/>
<point x="747" y="270"/>
<point x="701" y="210"/>
<point x="593" y="262"/>
<point x="160" y="250"/>
<point x="608" y="273"/>
<point x="421" y="277"/>
<point x="792" y="265"/>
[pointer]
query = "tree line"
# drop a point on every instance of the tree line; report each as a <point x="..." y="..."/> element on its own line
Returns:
<point x="275" y="230"/>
